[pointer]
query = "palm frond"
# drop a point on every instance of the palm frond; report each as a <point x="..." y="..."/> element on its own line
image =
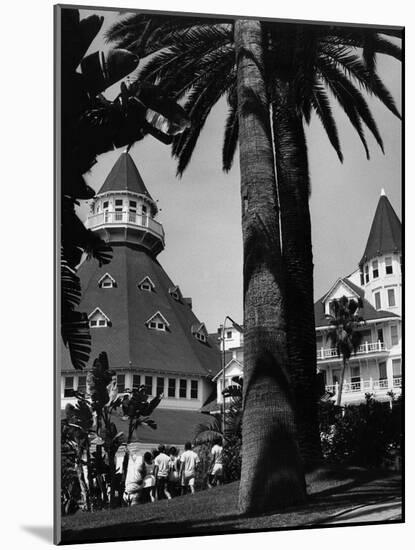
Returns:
<point x="321" y="105"/>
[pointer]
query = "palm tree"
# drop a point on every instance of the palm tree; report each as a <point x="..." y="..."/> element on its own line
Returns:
<point x="344" y="334"/>
<point x="201" y="60"/>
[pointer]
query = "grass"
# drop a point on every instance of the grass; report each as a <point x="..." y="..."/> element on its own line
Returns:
<point x="215" y="511"/>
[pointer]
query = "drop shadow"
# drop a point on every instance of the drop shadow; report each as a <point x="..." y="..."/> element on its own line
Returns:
<point x="43" y="532"/>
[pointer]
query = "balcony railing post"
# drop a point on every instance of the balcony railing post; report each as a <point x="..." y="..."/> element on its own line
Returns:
<point x="366" y="347"/>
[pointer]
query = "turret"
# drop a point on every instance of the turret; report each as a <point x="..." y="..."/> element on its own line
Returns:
<point x="123" y="210"/>
<point x="380" y="266"/>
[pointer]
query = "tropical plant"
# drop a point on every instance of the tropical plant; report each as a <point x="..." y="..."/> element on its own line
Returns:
<point x="368" y="434"/>
<point x="207" y="433"/>
<point x="201" y="60"/>
<point x="344" y="333"/>
<point x="90" y="423"/>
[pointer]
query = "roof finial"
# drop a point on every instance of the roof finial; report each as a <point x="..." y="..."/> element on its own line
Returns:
<point x="382" y="193"/>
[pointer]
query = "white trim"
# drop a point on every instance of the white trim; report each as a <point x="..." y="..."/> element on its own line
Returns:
<point x="145" y="280"/>
<point x="340" y="279"/>
<point x="107" y="275"/>
<point x="98" y="310"/>
<point x="152" y="320"/>
<point x="228" y="364"/>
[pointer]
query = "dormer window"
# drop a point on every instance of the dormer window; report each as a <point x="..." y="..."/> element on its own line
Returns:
<point x="175" y="293"/>
<point x="146" y="284"/>
<point x="106" y="281"/>
<point x="98" y="319"/>
<point x="157" y="322"/>
<point x="200" y="332"/>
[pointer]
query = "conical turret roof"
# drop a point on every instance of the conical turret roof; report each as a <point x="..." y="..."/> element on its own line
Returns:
<point x="125" y="176"/>
<point x="386" y="232"/>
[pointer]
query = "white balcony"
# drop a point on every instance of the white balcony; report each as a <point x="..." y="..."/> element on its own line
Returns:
<point x="125" y="218"/>
<point x="364" y="349"/>
<point x="355" y="391"/>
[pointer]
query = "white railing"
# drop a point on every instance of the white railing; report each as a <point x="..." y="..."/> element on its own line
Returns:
<point x="124" y="217"/>
<point x="366" y="386"/>
<point x="367" y="347"/>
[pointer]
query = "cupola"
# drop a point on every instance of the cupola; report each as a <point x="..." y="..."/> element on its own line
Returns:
<point x="123" y="210"/>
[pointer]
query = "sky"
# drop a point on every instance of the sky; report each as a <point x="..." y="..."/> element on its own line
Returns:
<point x="201" y="211"/>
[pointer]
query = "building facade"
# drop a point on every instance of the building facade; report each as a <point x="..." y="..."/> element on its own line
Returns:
<point x="376" y="368"/>
<point x="137" y="314"/>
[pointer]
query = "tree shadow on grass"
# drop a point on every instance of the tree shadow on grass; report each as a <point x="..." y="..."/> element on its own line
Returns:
<point x="320" y="505"/>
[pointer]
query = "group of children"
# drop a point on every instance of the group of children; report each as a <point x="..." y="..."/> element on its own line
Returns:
<point x="161" y="474"/>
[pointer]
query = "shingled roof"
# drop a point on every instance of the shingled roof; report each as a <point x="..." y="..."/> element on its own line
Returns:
<point x="124" y="176"/>
<point x="386" y="232"/>
<point x="128" y="342"/>
<point x="368" y="312"/>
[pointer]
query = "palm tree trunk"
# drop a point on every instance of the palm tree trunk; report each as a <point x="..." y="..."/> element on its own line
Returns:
<point x="271" y="474"/>
<point x="339" y="395"/>
<point x="293" y="190"/>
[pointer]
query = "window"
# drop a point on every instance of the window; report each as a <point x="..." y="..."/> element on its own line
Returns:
<point x="229" y="334"/>
<point x="146" y="284"/>
<point x="200" y="337"/>
<point x="171" y="392"/>
<point x="366" y="273"/>
<point x="120" y="382"/>
<point x="375" y="269"/>
<point x="136" y="381"/>
<point x="183" y="388"/>
<point x="380" y="334"/>
<point x="98" y="319"/>
<point x="82" y="384"/>
<point x="105" y="204"/>
<point x="355" y="375"/>
<point x="133" y="204"/>
<point x="144" y="209"/>
<point x="160" y="386"/>
<point x="106" y="281"/>
<point x="148" y="383"/>
<point x="378" y="304"/>
<point x="396" y="368"/>
<point x="362" y="278"/>
<point x="68" y="391"/>
<point x="382" y="371"/>
<point x="394" y="335"/>
<point x="118" y="202"/>
<point x="194" y="389"/>
<point x="157" y="322"/>
<point x="388" y="264"/>
<point x="391" y="297"/>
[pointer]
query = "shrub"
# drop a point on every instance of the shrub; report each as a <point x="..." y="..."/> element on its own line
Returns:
<point x="366" y="435"/>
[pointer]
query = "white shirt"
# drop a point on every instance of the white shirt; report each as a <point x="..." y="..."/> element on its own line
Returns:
<point x="189" y="459"/>
<point x="163" y="462"/>
<point x="133" y="479"/>
<point x="217" y="454"/>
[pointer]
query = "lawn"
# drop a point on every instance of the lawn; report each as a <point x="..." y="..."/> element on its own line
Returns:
<point x="215" y="511"/>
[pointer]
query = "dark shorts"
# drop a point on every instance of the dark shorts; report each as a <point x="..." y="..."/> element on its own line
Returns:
<point x="162" y="482"/>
